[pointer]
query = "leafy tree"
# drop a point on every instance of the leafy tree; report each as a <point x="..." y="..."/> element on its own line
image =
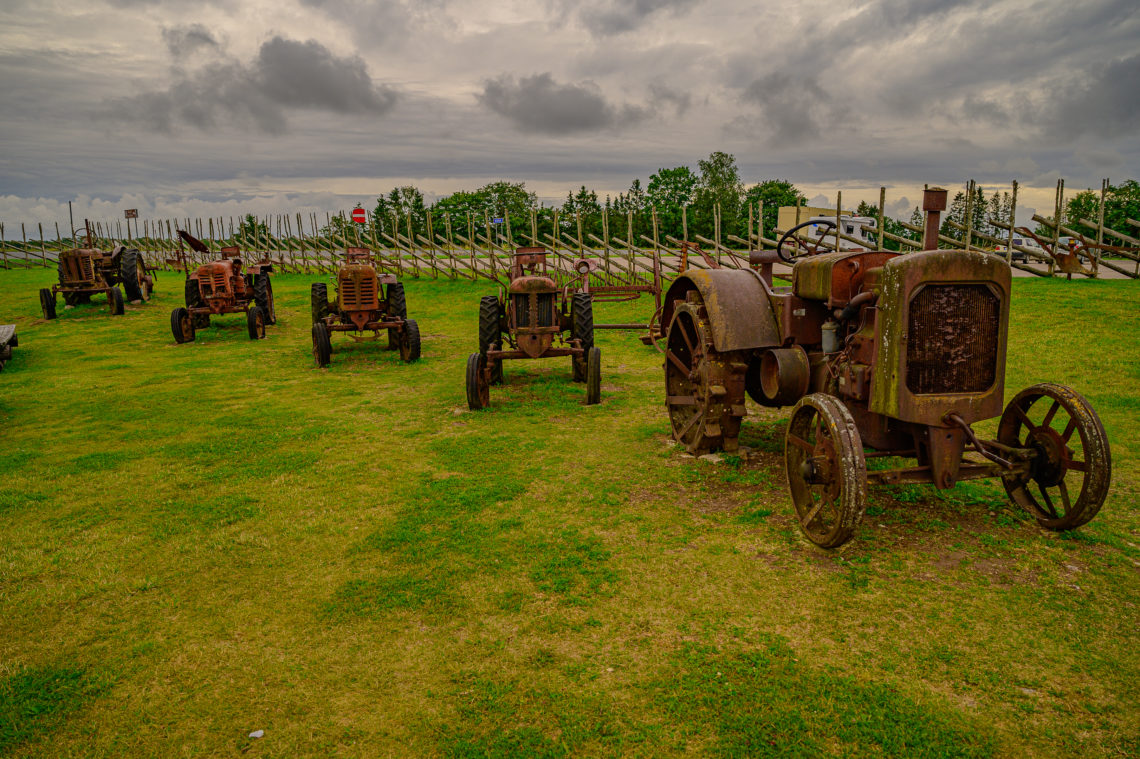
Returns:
<point x="719" y="185"/>
<point x="586" y="203"/>
<point x="668" y="192"/>
<point x="402" y="202"/>
<point x="252" y="232"/>
<point x="773" y="193"/>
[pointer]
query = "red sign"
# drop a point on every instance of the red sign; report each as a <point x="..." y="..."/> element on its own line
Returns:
<point x="359" y="215"/>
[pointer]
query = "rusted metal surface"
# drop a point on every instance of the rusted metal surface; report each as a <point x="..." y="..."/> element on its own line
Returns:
<point x="896" y="354"/>
<point x="740" y="316"/>
<point x="535" y="317"/>
<point x="934" y="203"/>
<point x="366" y="305"/>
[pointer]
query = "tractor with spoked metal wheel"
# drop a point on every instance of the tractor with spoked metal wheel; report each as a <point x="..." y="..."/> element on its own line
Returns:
<point x="224" y="286"/>
<point x="881" y="356"/>
<point x="88" y="271"/>
<point x="535" y="317"/>
<point x="366" y="301"/>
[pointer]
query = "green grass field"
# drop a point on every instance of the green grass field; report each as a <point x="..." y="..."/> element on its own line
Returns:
<point x="199" y="541"/>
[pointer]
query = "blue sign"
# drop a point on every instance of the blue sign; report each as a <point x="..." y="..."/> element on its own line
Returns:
<point x="497" y="220"/>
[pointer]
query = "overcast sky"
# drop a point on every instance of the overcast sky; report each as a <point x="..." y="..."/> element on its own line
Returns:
<point x="222" y="106"/>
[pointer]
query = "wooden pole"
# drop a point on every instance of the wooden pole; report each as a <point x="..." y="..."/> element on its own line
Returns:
<point x="882" y="220"/>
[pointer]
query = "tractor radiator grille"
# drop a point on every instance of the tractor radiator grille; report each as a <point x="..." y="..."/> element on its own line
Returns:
<point x="212" y="283"/>
<point x="545" y="309"/>
<point x="357" y="296"/>
<point x="79" y="268"/>
<point x="952" y="339"/>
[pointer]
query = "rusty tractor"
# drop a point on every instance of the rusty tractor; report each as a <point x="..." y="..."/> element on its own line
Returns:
<point x="87" y="271"/>
<point x="225" y="286"/>
<point x="8" y="341"/>
<point x="880" y="355"/>
<point x="532" y="312"/>
<point x="362" y="305"/>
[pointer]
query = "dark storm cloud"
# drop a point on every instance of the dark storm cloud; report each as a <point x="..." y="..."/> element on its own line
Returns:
<point x="541" y="105"/>
<point x="793" y="106"/>
<point x="678" y="100"/>
<point x="286" y="73"/>
<point x="1103" y="103"/>
<point x="606" y="17"/>
<point x="182" y="40"/>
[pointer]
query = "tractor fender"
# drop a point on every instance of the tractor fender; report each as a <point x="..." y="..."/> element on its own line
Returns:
<point x="739" y="311"/>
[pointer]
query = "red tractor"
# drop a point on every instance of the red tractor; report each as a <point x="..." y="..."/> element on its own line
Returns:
<point x="225" y="286"/>
<point x="362" y="306"/>
<point x="532" y="314"/>
<point x="880" y="355"/>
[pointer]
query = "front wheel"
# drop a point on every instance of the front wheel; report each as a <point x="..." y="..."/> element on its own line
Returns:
<point x="1069" y="476"/>
<point x="827" y="474"/>
<point x="115" y="300"/>
<point x="255" y="322"/>
<point x="322" y="345"/>
<point x="594" y="376"/>
<point x="47" y="303"/>
<point x="478" y="388"/>
<point x="182" y="325"/>
<point x="410" y="341"/>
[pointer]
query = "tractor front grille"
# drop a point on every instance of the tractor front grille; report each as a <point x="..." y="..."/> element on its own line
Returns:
<point x="358" y="295"/>
<point x="952" y="339"/>
<point x="544" y="307"/>
<point x="213" y="283"/>
<point x="79" y="268"/>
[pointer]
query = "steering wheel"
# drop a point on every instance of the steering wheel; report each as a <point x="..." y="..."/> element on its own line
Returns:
<point x="809" y="248"/>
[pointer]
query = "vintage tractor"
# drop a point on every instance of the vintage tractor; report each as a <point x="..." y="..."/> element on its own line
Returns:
<point x="532" y="312"/>
<point x="225" y="286"/>
<point x="881" y="355"/>
<point x="361" y="306"/>
<point x="8" y="341"/>
<point x="84" y="272"/>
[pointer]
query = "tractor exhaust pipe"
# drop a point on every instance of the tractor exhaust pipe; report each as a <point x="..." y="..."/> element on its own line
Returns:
<point x="934" y="203"/>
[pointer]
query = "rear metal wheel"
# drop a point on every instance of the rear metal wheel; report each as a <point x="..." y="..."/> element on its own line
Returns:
<point x="1069" y="477"/>
<point x="478" y="388"/>
<point x="827" y="474"/>
<point x="704" y="389"/>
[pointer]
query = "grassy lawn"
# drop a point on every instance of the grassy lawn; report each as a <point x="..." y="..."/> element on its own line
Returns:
<point x="199" y="541"/>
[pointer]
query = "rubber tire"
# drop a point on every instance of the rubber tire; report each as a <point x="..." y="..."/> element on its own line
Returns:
<point x="263" y="296"/>
<point x="176" y="317"/>
<point x="319" y="301"/>
<point x="115" y="299"/>
<point x="322" y="345"/>
<point x="475" y="401"/>
<point x="490" y="332"/>
<point x="397" y="301"/>
<point x="251" y="319"/>
<point x="410" y="342"/>
<point x="132" y="273"/>
<point x="47" y="303"/>
<point x="594" y="376"/>
<point x="582" y="328"/>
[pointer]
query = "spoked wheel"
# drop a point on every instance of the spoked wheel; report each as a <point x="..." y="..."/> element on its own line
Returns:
<point x="322" y="345"/>
<point x="827" y="474"/>
<point x="255" y="322"/>
<point x="410" y="341"/>
<point x="182" y="325"/>
<point x="1070" y="473"/>
<point x="478" y="387"/>
<point x="704" y="389"/>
